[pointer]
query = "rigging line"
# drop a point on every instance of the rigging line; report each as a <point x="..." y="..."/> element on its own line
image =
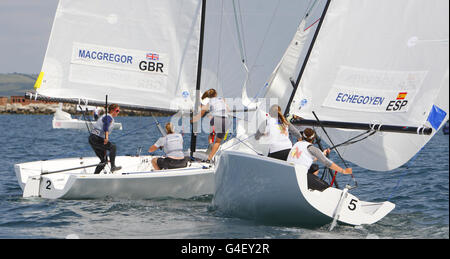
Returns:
<point x="306" y="59"/>
<point x="337" y="151"/>
<point x="242" y="141"/>
<point x="312" y="24"/>
<point x="331" y="141"/>
<point x="241" y="48"/>
<point x="243" y="33"/>
<point x="84" y="118"/>
<point x="308" y="11"/>
<point x="369" y="133"/>
<point x="134" y="131"/>
<point x="265" y="35"/>
<point x="220" y="49"/>
<point x="325" y="169"/>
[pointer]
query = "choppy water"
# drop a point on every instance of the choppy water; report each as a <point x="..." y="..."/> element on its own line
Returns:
<point x="420" y="190"/>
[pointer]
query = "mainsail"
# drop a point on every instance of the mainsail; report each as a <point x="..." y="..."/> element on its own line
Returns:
<point x="381" y="63"/>
<point x="254" y="31"/>
<point x="113" y="48"/>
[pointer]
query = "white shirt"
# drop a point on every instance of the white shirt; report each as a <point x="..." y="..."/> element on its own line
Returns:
<point x="300" y="155"/>
<point x="172" y="145"/>
<point x="217" y="106"/>
<point x="278" y="136"/>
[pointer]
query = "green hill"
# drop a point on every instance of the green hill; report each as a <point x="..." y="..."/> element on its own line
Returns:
<point x="16" y="84"/>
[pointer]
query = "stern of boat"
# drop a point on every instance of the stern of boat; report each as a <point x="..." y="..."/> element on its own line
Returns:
<point x="273" y="191"/>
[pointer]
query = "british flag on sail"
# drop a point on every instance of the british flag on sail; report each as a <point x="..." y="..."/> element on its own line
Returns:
<point x="152" y="56"/>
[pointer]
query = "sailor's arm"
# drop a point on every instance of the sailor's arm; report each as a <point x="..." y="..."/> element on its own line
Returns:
<point x="158" y="144"/>
<point x="327" y="162"/>
<point x="153" y="149"/>
<point x="105" y="141"/>
<point x="198" y="116"/>
<point x="295" y="132"/>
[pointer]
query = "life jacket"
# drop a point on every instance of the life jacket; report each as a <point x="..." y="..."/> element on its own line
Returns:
<point x="217" y="107"/>
<point x="278" y="136"/>
<point x="173" y="145"/>
<point x="300" y="155"/>
<point x="98" y="128"/>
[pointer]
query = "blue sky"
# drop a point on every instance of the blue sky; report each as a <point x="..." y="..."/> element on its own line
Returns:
<point x="25" y="27"/>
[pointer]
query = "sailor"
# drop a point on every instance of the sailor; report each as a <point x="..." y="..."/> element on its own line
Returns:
<point x="304" y="153"/>
<point x="277" y="130"/>
<point x="95" y="111"/>
<point x="99" y="139"/>
<point x="172" y="145"/>
<point x="219" y="121"/>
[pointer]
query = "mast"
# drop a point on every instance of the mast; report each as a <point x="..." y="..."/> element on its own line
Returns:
<point x="199" y="77"/>
<point x="307" y="57"/>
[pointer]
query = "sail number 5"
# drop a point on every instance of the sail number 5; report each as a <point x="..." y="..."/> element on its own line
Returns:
<point x="352" y="205"/>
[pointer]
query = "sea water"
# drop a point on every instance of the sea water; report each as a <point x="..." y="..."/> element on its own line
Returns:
<point x="420" y="190"/>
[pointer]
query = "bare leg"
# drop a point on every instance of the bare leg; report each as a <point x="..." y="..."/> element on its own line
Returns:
<point x="155" y="164"/>
<point x="214" y="148"/>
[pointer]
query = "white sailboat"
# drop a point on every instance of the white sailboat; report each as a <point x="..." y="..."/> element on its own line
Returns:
<point x="143" y="55"/>
<point x="63" y="120"/>
<point x="375" y="70"/>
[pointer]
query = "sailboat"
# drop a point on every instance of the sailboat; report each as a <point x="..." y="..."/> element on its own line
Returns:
<point x="100" y="53"/>
<point x="143" y="55"/>
<point x="63" y="120"/>
<point x="373" y="83"/>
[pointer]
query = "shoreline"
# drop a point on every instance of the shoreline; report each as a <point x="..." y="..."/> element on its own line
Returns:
<point x="49" y="109"/>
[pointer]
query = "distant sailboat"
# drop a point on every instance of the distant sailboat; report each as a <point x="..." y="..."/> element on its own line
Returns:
<point x="374" y="81"/>
<point x="63" y="120"/>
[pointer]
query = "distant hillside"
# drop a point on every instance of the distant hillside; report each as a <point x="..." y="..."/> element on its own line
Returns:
<point x="16" y="83"/>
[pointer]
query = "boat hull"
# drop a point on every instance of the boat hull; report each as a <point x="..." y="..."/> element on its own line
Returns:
<point x="134" y="181"/>
<point x="78" y="124"/>
<point x="275" y="192"/>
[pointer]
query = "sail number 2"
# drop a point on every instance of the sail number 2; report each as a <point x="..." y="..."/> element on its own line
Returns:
<point x="48" y="184"/>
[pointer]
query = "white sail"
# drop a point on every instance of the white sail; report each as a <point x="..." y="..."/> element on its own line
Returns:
<point x="264" y="29"/>
<point x="282" y="80"/>
<point x="379" y="62"/>
<point x="142" y="53"/>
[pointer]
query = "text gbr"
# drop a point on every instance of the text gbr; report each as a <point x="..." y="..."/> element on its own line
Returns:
<point x="151" y="66"/>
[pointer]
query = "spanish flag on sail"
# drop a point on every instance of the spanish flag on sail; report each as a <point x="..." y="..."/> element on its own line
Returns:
<point x="401" y="95"/>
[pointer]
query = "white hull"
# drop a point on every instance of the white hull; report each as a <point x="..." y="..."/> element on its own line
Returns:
<point x="268" y="190"/>
<point x="78" y="124"/>
<point x="134" y="181"/>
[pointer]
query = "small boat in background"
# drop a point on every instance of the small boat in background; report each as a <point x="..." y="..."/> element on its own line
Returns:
<point x="446" y="128"/>
<point x="63" y="120"/>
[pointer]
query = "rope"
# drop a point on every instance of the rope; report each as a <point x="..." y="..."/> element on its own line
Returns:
<point x="369" y="133"/>
<point x="242" y="141"/>
<point x="241" y="47"/>
<point x="353" y="177"/>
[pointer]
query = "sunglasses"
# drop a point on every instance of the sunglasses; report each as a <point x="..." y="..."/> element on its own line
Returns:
<point x="117" y="110"/>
